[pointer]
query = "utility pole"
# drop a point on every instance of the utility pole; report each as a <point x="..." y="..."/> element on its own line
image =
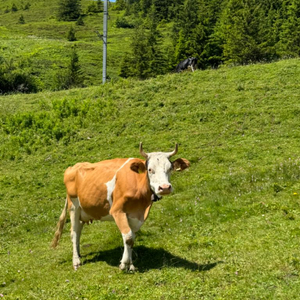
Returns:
<point x="105" y="15"/>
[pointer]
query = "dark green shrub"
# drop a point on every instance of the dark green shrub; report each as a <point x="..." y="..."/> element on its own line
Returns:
<point x="123" y="23"/>
<point x="21" y="20"/>
<point x="69" y="10"/>
<point x="71" y="36"/>
<point x="79" y="21"/>
<point x="95" y="7"/>
<point x="27" y="6"/>
<point x="14" y="8"/>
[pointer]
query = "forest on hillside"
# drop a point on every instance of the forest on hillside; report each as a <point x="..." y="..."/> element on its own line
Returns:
<point x="214" y="31"/>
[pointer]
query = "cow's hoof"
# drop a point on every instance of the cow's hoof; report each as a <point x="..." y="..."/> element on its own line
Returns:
<point x="76" y="264"/>
<point x="75" y="267"/>
<point x="132" y="268"/>
<point x="126" y="267"/>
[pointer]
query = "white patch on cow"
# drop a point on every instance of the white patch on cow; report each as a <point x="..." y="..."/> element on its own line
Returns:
<point x="135" y="224"/>
<point x="110" y="188"/>
<point x="112" y="183"/>
<point x="84" y="217"/>
<point x="76" y="228"/>
<point x="129" y="235"/>
<point x="126" y="261"/>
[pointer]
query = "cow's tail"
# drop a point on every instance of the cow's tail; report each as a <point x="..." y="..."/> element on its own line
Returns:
<point x="60" y="225"/>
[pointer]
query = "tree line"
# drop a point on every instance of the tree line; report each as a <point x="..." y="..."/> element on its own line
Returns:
<point x="165" y="32"/>
<point x="214" y="31"/>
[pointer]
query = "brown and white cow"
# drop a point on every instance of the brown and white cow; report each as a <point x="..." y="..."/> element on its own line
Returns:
<point x="121" y="189"/>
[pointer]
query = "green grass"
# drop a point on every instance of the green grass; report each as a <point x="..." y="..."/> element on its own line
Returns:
<point x="41" y="44"/>
<point x="230" y="230"/>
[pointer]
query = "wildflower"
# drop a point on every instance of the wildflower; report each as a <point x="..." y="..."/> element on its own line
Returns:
<point x="295" y="194"/>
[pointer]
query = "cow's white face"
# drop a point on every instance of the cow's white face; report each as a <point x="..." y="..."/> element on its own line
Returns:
<point x="159" y="168"/>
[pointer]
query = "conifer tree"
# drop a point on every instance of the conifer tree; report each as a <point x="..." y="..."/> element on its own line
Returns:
<point x="147" y="57"/>
<point x="240" y="29"/>
<point x="74" y="76"/>
<point x="289" y="44"/>
<point x="69" y="10"/>
<point x="80" y="21"/>
<point x="14" y="8"/>
<point x="71" y="36"/>
<point x="21" y="20"/>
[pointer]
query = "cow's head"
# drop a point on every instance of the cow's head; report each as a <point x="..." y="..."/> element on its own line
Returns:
<point x="159" y="168"/>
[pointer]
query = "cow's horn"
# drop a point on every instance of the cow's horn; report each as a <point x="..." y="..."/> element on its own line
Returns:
<point x="142" y="151"/>
<point x="173" y="152"/>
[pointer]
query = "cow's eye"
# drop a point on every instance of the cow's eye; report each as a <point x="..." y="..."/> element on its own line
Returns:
<point x="151" y="171"/>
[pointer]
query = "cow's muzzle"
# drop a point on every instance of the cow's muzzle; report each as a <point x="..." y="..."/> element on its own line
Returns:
<point x="164" y="189"/>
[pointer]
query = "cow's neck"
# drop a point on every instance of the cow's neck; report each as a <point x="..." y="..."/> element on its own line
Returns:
<point x="154" y="197"/>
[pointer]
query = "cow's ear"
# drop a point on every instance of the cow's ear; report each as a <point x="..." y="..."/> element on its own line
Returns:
<point x="180" y="164"/>
<point x="138" y="167"/>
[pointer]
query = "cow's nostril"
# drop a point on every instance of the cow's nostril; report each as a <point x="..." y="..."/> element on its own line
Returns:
<point x="164" y="187"/>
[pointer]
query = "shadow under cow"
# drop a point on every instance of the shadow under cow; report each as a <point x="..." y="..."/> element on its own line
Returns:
<point x="145" y="259"/>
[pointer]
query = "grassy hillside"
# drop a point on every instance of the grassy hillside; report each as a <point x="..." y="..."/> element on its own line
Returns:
<point x="41" y="46"/>
<point x="229" y="231"/>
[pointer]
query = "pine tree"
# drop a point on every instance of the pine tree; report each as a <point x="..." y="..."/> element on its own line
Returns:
<point x="80" y="21"/>
<point x="147" y="57"/>
<point x="120" y="5"/>
<point x="289" y="44"/>
<point x="14" y="8"/>
<point x="71" y="36"/>
<point x="21" y="20"/>
<point x="141" y="53"/>
<point x="126" y="66"/>
<point x="180" y="48"/>
<point x="240" y="30"/>
<point x="69" y="10"/>
<point x="161" y="9"/>
<point x="74" y="76"/>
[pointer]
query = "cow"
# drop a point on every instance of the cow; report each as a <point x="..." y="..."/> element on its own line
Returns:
<point x="121" y="190"/>
<point x="187" y="63"/>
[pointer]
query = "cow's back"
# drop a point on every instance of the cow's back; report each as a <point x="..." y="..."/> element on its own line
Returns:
<point x="94" y="184"/>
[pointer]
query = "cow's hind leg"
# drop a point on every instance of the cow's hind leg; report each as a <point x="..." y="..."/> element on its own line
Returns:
<point x="128" y="240"/>
<point x="76" y="228"/>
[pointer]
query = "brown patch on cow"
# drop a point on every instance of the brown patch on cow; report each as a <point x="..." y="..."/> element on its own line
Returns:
<point x="129" y="242"/>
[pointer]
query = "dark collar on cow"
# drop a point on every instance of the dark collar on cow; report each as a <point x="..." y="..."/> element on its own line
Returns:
<point x="155" y="197"/>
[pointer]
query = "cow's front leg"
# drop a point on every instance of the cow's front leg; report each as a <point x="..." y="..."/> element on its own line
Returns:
<point x="128" y="240"/>
<point x="126" y="261"/>
<point x="76" y="228"/>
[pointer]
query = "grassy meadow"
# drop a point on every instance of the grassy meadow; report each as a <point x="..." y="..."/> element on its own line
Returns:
<point x="40" y="45"/>
<point x="230" y="230"/>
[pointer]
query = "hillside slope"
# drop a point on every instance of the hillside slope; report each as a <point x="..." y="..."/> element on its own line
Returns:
<point x="229" y="231"/>
<point x="40" y="46"/>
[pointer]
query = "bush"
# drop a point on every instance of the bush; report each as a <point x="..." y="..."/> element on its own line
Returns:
<point x="79" y="21"/>
<point x="71" y="36"/>
<point x="27" y="6"/>
<point x="95" y="7"/>
<point x="24" y="133"/>
<point x="21" y="20"/>
<point x="14" y="8"/>
<point x="123" y="23"/>
<point x="69" y="10"/>
<point x="13" y="80"/>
